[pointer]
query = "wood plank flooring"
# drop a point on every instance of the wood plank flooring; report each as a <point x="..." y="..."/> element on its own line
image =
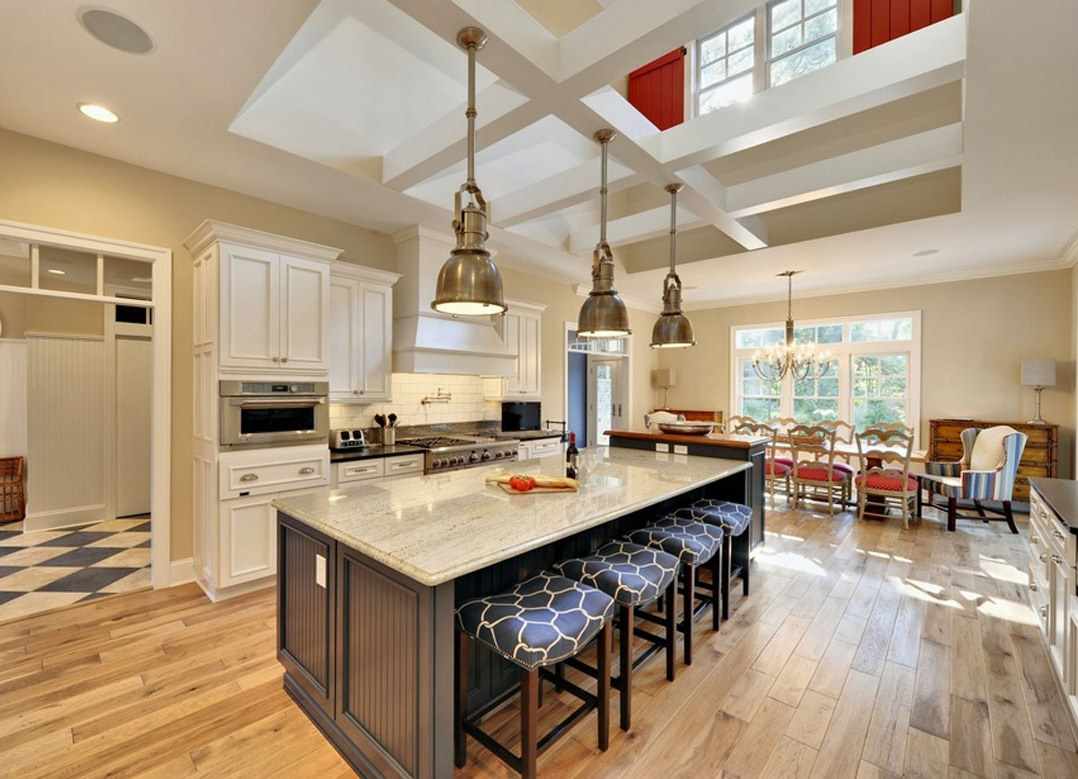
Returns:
<point x="863" y="651"/>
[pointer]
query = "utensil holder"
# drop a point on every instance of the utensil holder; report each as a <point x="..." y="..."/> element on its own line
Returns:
<point x="389" y="436"/>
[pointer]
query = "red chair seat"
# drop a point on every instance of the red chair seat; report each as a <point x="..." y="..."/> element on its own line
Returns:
<point x="844" y="467"/>
<point x="817" y="472"/>
<point x="776" y="468"/>
<point x="887" y="481"/>
<point x="787" y="461"/>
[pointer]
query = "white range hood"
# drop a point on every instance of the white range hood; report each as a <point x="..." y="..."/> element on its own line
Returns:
<point x="425" y="341"/>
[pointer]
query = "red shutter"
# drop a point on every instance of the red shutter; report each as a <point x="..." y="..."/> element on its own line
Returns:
<point x="879" y="21"/>
<point x="657" y="90"/>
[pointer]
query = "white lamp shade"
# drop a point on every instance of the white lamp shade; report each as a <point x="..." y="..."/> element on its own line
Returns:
<point x="1039" y="373"/>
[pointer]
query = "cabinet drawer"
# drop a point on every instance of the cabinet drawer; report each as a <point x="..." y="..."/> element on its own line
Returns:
<point x="409" y="465"/>
<point x="261" y="471"/>
<point x="545" y="448"/>
<point x="360" y="470"/>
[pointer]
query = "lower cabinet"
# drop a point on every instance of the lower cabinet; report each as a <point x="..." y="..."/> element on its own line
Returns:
<point x="248" y="543"/>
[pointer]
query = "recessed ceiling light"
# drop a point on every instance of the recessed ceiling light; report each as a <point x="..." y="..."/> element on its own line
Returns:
<point x="57" y="272"/>
<point x="98" y="112"/>
<point x="116" y="31"/>
<point x="926" y="252"/>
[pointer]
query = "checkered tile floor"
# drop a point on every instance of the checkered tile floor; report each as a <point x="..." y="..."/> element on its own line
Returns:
<point x="50" y="568"/>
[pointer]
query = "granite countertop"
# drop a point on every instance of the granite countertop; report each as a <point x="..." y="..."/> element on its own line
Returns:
<point x="1062" y="496"/>
<point x="438" y="527"/>
<point x="736" y="440"/>
<point x="372" y="451"/>
<point x="528" y="435"/>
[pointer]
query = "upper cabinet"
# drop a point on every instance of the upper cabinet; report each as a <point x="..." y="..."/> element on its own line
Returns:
<point x="270" y="302"/>
<point x="522" y="330"/>
<point x="360" y="333"/>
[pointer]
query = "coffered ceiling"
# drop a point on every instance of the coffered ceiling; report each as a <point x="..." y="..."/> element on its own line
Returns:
<point x="354" y="109"/>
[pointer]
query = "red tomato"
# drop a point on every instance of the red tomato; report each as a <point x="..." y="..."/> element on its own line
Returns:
<point x="522" y="483"/>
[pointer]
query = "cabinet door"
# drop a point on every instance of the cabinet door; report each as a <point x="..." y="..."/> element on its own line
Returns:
<point x="304" y="314"/>
<point x="305" y="624"/>
<point x="250" y="309"/>
<point x="1061" y="584"/>
<point x="343" y="343"/>
<point x="513" y="341"/>
<point x="248" y="540"/>
<point x="530" y="355"/>
<point x="376" y="321"/>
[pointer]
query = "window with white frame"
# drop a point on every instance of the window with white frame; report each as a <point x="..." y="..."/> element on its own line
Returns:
<point x="802" y="36"/>
<point x="873" y="375"/>
<point x="724" y="65"/>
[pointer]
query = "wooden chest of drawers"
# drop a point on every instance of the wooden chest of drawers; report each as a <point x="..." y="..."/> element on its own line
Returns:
<point x="1040" y="458"/>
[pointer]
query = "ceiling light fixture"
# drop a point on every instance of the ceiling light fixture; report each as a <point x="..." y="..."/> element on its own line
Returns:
<point x="57" y="272"/>
<point x="98" y="112"/>
<point x="115" y="31"/>
<point x="603" y="314"/>
<point x="469" y="283"/>
<point x="672" y="329"/>
<point x="799" y="360"/>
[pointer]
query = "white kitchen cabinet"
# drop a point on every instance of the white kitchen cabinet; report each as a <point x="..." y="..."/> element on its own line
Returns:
<point x="248" y="540"/>
<point x="539" y="447"/>
<point x="377" y="469"/>
<point x="361" y="333"/>
<point x="522" y="330"/>
<point x="304" y="314"/>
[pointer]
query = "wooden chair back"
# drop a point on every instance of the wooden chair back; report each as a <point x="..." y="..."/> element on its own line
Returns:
<point x="815" y="441"/>
<point x="738" y="424"/>
<point x="763" y="431"/>
<point x="844" y="434"/>
<point x="885" y="446"/>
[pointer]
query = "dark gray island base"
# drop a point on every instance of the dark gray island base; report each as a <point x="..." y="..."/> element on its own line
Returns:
<point x="369" y="580"/>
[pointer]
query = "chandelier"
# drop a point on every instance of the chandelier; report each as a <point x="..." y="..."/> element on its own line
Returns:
<point x="801" y="361"/>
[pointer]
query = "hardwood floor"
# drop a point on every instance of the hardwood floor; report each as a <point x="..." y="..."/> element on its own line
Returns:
<point x="863" y="651"/>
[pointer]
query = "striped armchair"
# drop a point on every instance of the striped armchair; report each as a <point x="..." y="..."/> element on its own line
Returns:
<point x="985" y="474"/>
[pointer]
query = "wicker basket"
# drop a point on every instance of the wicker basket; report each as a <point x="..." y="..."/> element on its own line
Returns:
<point x="12" y="491"/>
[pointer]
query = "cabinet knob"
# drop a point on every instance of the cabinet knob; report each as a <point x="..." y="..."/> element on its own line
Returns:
<point x="306" y="470"/>
<point x="276" y="359"/>
<point x="249" y="477"/>
<point x="1044" y="557"/>
<point x="1043" y="611"/>
<point x="1033" y="586"/>
<point x="284" y="359"/>
<point x="1034" y="540"/>
<point x="1058" y="534"/>
<point x="1057" y="559"/>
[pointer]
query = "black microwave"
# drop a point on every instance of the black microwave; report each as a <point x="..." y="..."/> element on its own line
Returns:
<point x="519" y="416"/>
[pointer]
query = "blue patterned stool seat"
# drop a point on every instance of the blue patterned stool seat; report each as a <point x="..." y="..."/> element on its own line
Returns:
<point x="734" y="518"/>
<point x="539" y="622"/>
<point x="691" y="540"/>
<point x="629" y="573"/>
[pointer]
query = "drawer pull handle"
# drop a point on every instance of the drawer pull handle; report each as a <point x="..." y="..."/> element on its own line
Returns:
<point x="1058" y="534"/>
<point x="1057" y="559"/>
<point x="1033" y="586"/>
<point x="1043" y="611"/>
<point x="1044" y="557"/>
<point x="1034" y="540"/>
<point x="249" y="477"/>
<point x="306" y="470"/>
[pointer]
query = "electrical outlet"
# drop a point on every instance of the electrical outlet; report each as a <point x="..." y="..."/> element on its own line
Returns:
<point x="320" y="571"/>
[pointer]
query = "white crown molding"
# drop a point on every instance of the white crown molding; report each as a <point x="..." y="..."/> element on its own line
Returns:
<point x="540" y="307"/>
<point x="96" y="244"/>
<point x="940" y="278"/>
<point x="211" y="231"/>
<point x="422" y="231"/>
<point x="363" y="272"/>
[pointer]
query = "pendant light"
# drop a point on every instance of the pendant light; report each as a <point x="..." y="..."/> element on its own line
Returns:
<point x="802" y="361"/>
<point x="469" y="283"/>
<point x="672" y="330"/>
<point x="603" y="314"/>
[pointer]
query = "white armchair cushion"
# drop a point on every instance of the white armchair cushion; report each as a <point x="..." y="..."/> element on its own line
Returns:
<point x="988" y="452"/>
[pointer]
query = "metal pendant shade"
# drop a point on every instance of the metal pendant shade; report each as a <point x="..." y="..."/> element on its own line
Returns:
<point x="604" y="314"/>
<point x="672" y="329"/>
<point x="469" y="283"/>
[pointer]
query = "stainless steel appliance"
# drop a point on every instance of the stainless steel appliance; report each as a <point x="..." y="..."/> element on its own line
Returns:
<point x="262" y="413"/>
<point x="517" y="415"/>
<point x="451" y="453"/>
<point x="353" y="438"/>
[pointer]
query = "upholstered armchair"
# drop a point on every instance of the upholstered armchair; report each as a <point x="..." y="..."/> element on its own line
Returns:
<point x="985" y="474"/>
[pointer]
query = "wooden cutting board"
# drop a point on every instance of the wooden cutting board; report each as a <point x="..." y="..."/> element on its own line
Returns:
<point x="533" y="490"/>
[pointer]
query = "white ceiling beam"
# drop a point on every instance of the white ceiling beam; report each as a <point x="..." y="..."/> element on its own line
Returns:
<point x="915" y="155"/>
<point x="564" y="190"/>
<point x="906" y="66"/>
<point x="630" y="229"/>
<point x="622" y="115"/>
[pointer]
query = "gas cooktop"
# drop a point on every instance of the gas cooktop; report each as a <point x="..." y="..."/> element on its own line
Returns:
<point x="448" y="453"/>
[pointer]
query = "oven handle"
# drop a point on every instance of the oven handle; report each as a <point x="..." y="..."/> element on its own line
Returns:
<point x="276" y="402"/>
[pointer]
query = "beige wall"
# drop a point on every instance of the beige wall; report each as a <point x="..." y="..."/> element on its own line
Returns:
<point x="974" y="336"/>
<point x="22" y="313"/>
<point x="57" y="186"/>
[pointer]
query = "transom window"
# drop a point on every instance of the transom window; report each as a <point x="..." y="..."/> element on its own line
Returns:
<point x="802" y="37"/>
<point x="725" y="65"/>
<point x="873" y="375"/>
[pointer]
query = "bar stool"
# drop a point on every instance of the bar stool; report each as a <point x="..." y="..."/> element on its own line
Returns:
<point x="734" y="519"/>
<point x="634" y="576"/>
<point x="695" y="543"/>
<point x="539" y="622"/>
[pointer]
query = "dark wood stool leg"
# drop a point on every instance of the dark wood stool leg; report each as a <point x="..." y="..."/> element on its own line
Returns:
<point x="603" y="687"/>
<point x="625" y="670"/>
<point x="559" y="672"/>
<point x="460" y="743"/>
<point x="687" y="609"/>
<point x="671" y="630"/>
<point x="743" y="541"/>
<point x="529" y="722"/>
<point x="727" y="563"/>
<point x="1008" y="512"/>
<point x="952" y="513"/>
<point x="920" y="498"/>
<point x="716" y="590"/>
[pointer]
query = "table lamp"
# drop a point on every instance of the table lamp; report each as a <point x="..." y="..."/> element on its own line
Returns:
<point x="1038" y="374"/>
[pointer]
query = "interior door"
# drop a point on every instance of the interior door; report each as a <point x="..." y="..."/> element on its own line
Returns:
<point x="134" y="393"/>
<point x="606" y="398"/>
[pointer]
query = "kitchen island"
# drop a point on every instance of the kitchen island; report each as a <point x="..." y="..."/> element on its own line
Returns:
<point x="369" y="578"/>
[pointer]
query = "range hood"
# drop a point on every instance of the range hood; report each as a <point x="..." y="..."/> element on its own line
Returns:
<point x="425" y="341"/>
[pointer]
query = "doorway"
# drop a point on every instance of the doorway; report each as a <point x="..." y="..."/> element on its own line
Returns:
<point x="606" y="397"/>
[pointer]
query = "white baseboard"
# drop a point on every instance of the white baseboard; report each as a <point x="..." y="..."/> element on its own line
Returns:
<point x="181" y="571"/>
<point x="63" y="518"/>
<point x="224" y="593"/>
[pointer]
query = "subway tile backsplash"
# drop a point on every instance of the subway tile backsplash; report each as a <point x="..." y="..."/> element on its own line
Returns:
<point x="409" y="389"/>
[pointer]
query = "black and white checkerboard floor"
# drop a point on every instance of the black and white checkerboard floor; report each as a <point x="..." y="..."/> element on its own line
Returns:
<point x="46" y="569"/>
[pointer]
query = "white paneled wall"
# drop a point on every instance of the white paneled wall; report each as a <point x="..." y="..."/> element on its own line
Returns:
<point x="409" y="389"/>
<point x="66" y="403"/>
<point x="12" y="397"/>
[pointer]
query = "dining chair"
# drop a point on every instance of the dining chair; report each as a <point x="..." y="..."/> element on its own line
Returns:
<point x="782" y="427"/>
<point x="813" y="450"/>
<point x="734" y="422"/>
<point x="844" y="433"/>
<point x="774" y="469"/>
<point x="877" y="448"/>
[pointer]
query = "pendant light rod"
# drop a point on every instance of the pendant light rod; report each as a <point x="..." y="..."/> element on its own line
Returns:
<point x="472" y="39"/>
<point x="604" y="137"/>
<point x="673" y="189"/>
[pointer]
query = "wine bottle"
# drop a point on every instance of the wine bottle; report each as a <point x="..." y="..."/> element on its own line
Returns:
<point x="571" y="455"/>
